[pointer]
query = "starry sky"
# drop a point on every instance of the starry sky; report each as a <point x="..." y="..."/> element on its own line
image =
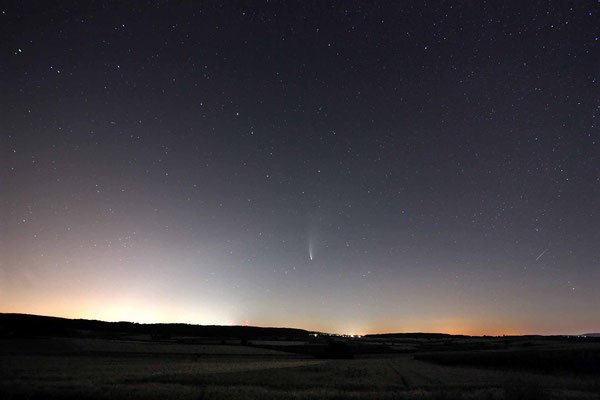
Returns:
<point x="346" y="167"/>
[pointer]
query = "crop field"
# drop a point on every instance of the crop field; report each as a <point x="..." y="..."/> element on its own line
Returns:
<point x="52" y="368"/>
<point x="94" y="347"/>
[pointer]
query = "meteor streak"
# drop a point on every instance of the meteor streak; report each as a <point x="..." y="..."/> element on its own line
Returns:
<point x="541" y="254"/>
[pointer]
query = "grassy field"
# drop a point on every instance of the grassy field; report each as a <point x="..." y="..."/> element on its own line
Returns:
<point x="123" y="369"/>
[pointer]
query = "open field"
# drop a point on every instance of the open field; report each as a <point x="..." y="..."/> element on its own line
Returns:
<point x="47" y="368"/>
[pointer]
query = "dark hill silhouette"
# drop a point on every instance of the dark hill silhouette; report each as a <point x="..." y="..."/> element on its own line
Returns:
<point x="415" y="335"/>
<point x="22" y="325"/>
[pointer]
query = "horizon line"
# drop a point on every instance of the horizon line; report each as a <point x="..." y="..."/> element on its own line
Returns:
<point x="302" y="329"/>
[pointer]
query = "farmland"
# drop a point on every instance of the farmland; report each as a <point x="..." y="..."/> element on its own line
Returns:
<point x="138" y="366"/>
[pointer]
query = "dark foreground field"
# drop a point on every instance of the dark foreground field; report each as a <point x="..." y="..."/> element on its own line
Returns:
<point x="383" y="368"/>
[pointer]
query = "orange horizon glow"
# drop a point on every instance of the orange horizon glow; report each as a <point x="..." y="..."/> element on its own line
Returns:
<point x="111" y="315"/>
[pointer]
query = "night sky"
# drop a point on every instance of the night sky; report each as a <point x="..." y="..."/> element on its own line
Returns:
<point x="337" y="166"/>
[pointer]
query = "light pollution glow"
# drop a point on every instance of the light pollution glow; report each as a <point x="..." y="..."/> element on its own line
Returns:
<point x="170" y="296"/>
